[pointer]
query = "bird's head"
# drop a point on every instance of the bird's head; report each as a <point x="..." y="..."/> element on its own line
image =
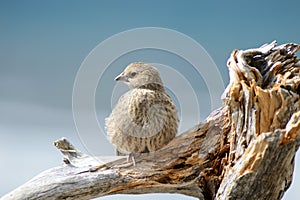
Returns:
<point x="138" y="74"/>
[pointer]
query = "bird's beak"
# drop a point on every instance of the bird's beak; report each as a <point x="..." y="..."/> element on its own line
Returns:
<point x="122" y="77"/>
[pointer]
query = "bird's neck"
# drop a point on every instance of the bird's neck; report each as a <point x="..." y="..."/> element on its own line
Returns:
<point x="152" y="86"/>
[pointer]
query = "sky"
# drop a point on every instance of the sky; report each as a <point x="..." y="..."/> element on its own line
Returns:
<point x="45" y="44"/>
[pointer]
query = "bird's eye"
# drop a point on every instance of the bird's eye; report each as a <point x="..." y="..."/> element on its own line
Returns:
<point x="132" y="74"/>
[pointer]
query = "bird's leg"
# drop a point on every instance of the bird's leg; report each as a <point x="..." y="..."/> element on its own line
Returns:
<point x="131" y="156"/>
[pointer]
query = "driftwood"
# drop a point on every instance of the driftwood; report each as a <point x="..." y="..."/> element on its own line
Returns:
<point x="244" y="150"/>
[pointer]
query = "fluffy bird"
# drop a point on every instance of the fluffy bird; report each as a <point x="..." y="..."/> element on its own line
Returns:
<point x="145" y="118"/>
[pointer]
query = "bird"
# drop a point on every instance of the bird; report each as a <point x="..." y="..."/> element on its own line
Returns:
<point x="145" y="118"/>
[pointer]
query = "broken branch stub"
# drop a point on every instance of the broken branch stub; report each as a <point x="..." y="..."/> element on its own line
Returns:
<point x="264" y="93"/>
<point x="263" y="104"/>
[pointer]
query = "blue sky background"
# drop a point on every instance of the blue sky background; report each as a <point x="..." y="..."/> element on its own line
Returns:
<point x="43" y="43"/>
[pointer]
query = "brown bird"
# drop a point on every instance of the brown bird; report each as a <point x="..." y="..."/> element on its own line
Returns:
<point x="145" y="118"/>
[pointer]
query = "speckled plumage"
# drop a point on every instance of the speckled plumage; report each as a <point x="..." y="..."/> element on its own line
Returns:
<point x="145" y="118"/>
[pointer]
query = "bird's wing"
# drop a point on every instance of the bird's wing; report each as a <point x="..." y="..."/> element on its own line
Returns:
<point x="142" y="112"/>
<point x="149" y="109"/>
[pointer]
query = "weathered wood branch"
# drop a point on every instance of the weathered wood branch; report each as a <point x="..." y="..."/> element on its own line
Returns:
<point x="244" y="150"/>
<point x="181" y="167"/>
